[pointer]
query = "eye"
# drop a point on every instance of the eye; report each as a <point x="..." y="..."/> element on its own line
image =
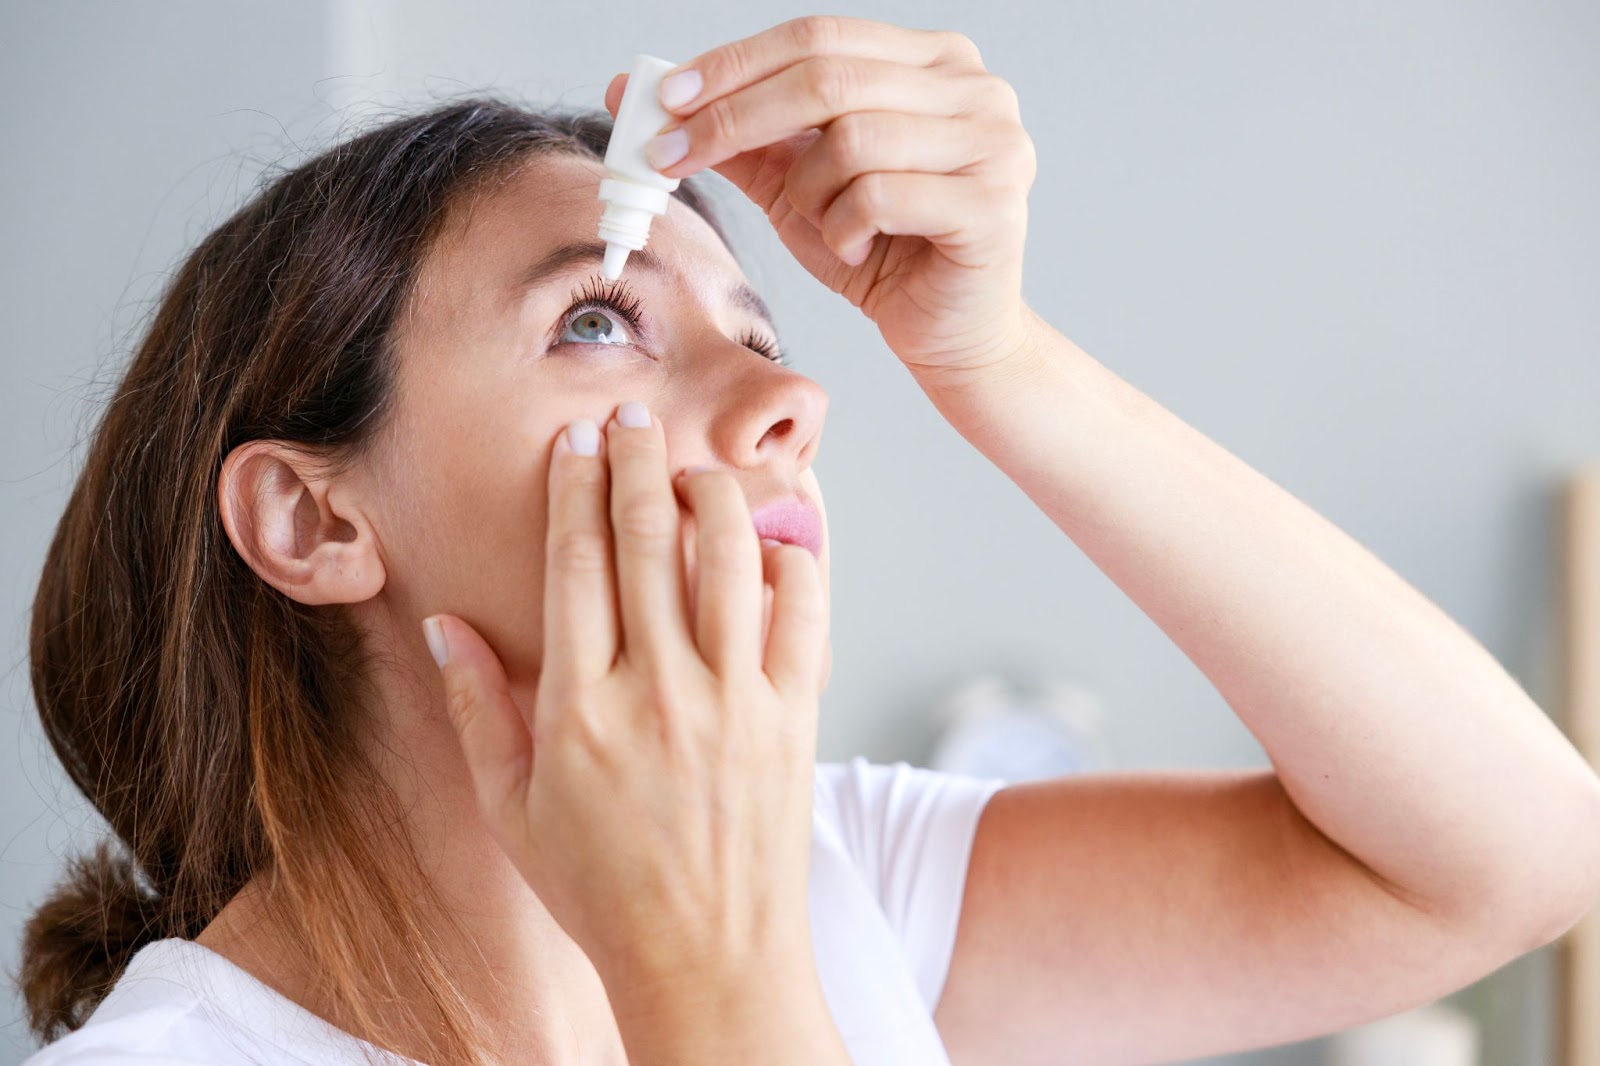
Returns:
<point x="591" y="325"/>
<point x="601" y="312"/>
<point x="609" y="314"/>
<point x="763" y="347"/>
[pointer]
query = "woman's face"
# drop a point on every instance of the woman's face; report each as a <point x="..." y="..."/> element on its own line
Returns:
<point x="505" y="343"/>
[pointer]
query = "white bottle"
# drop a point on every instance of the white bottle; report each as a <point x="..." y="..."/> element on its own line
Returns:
<point x="633" y="191"/>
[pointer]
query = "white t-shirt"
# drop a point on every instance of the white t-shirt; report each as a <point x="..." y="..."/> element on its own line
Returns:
<point x="889" y="850"/>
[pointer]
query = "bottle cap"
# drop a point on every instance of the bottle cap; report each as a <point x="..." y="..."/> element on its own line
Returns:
<point x="625" y="223"/>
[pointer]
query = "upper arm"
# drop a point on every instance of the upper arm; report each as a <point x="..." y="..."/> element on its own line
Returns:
<point x="1143" y="917"/>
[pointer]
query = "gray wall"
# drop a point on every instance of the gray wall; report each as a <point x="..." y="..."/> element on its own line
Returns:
<point x="1353" y="243"/>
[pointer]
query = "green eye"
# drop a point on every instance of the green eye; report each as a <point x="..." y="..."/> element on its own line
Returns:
<point x="594" y="326"/>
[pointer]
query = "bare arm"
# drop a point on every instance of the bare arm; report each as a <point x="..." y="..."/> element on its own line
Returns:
<point x="1392" y="730"/>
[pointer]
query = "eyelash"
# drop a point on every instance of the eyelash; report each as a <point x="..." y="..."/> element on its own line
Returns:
<point x="615" y="296"/>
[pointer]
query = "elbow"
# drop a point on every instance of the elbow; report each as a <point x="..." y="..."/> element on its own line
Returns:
<point x="1532" y="895"/>
<point x="1567" y="889"/>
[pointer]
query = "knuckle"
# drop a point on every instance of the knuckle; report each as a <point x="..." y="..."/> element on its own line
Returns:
<point x="872" y="193"/>
<point x="814" y="34"/>
<point x="1000" y="95"/>
<point x="976" y="99"/>
<point x="1014" y="216"/>
<point x="848" y="138"/>
<point x="580" y="551"/>
<point x="659" y="696"/>
<point x="1009" y="168"/>
<point x="583" y="738"/>
<point x="1006" y="204"/>
<point x="460" y="704"/>
<point x="581" y="480"/>
<point x="586" y="732"/>
<point x="831" y="81"/>
<point x="959" y="47"/>
<point x="736" y="63"/>
<point x="572" y="720"/>
<point x="1027" y="158"/>
<point x="722" y="122"/>
<point x="645" y="520"/>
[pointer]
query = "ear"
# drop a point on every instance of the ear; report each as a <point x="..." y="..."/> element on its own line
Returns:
<point x="296" y="528"/>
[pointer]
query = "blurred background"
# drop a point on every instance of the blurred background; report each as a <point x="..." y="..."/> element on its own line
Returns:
<point x="1353" y="243"/>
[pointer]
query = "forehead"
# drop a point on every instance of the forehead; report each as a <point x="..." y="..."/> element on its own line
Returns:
<point x="485" y="250"/>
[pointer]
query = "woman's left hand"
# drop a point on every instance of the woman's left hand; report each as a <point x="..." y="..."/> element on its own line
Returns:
<point x="892" y="165"/>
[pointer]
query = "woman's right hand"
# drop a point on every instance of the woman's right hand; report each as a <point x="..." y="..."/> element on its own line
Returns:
<point x="657" y="796"/>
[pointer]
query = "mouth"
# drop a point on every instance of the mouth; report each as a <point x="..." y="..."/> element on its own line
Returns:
<point x="791" y="520"/>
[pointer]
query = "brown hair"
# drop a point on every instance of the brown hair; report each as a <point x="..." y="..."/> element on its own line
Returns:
<point x="208" y="717"/>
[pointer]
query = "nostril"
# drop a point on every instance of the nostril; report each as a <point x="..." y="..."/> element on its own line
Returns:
<point x="781" y="429"/>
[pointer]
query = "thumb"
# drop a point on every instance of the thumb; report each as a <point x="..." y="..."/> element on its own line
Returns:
<point x="494" y="737"/>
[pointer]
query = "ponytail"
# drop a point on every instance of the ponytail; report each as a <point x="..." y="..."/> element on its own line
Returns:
<point x="77" y="944"/>
<point x="212" y="721"/>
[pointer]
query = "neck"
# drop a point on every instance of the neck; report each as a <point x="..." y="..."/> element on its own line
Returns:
<point x="541" y="997"/>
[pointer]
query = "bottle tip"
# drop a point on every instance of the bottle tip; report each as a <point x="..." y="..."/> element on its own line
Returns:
<point x="616" y="255"/>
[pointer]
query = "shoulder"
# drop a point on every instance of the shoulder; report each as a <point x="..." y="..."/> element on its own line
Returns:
<point x="150" y="1037"/>
<point x="879" y="808"/>
<point x="139" y="1021"/>
<point x="906" y="829"/>
<point x="178" y="1003"/>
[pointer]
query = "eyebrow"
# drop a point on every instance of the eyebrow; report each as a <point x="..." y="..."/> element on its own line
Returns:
<point x="562" y="259"/>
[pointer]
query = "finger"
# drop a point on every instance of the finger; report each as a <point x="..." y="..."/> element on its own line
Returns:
<point x="799" y="628"/>
<point x="614" y="93"/>
<point x="766" y="607"/>
<point x="728" y="574"/>
<point x="813" y="93"/>
<point x="495" y="739"/>
<point x="581" y="631"/>
<point x="646" y="527"/>
<point x="961" y="213"/>
<point x="864" y="141"/>
<point x="732" y="66"/>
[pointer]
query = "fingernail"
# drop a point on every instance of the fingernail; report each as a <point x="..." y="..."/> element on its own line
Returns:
<point x="583" y="436"/>
<point x="678" y="89"/>
<point x="768" y="542"/>
<point x="634" y="415"/>
<point x="433" y="630"/>
<point x="665" y="149"/>
<point x="858" y="255"/>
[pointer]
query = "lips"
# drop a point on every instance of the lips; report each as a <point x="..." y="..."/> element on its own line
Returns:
<point x="791" y="520"/>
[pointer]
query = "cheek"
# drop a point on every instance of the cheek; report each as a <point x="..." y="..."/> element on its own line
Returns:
<point x="497" y="547"/>
<point x="467" y="536"/>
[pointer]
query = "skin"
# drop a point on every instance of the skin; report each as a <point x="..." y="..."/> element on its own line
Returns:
<point x="481" y="399"/>
<point x="894" y="168"/>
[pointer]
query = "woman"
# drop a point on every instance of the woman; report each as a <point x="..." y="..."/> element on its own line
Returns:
<point x="595" y="833"/>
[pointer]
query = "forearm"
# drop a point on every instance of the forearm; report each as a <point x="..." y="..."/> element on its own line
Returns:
<point x="1390" y="727"/>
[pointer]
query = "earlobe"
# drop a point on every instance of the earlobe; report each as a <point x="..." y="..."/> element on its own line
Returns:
<point x="294" y="528"/>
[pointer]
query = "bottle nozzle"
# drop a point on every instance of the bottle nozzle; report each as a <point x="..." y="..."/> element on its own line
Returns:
<point x="616" y="256"/>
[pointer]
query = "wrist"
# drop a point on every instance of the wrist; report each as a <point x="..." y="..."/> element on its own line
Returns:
<point x="1014" y="356"/>
<point x="777" y="1015"/>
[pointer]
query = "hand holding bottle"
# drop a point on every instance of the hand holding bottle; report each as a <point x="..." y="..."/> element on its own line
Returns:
<point x="892" y="165"/>
<point x="657" y="795"/>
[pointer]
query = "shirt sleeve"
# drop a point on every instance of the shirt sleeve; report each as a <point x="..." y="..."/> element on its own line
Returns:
<point x="909" y="830"/>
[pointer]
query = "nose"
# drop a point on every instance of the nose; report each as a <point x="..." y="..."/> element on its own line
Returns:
<point x="769" y="420"/>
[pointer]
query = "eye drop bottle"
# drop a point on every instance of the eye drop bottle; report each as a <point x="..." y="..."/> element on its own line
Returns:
<point x="633" y="191"/>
